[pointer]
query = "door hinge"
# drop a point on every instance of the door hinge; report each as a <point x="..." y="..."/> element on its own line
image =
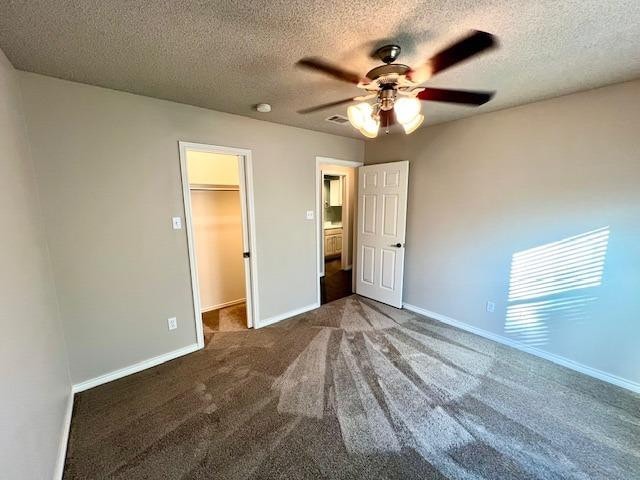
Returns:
<point x="246" y="254"/>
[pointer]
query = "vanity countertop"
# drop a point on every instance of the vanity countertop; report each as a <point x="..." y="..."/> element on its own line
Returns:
<point x="328" y="225"/>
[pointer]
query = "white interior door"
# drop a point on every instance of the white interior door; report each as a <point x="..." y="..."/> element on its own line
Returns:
<point x="246" y="239"/>
<point x="382" y="217"/>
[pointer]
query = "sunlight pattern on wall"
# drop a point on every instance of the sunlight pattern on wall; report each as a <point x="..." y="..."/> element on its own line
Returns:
<point x="546" y="274"/>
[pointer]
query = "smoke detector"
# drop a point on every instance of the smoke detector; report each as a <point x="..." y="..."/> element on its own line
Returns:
<point x="263" y="107"/>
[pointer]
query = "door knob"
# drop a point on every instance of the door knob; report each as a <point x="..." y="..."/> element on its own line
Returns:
<point x="397" y="245"/>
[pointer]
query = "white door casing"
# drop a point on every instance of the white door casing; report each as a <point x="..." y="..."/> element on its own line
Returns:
<point x="248" y="230"/>
<point x="382" y="216"/>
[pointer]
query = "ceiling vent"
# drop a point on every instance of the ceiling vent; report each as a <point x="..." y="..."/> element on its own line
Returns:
<point x="339" y="119"/>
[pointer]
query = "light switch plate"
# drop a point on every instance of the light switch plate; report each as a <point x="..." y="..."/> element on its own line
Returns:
<point x="177" y="223"/>
<point x="491" y="307"/>
<point x="309" y="214"/>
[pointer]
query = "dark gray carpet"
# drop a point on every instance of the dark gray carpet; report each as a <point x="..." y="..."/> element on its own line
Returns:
<point x="352" y="390"/>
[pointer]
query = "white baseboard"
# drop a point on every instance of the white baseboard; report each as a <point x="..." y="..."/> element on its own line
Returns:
<point x="222" y="305"/>
<point x="348" y="267"/>
<point x="64" y="439"/>
<point x="135" y="368"/>
<point x="560" y="360"/>
<point x="284" y="316"/>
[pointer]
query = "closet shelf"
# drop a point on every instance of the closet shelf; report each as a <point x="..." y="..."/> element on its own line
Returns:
<point x="224" y="188"/>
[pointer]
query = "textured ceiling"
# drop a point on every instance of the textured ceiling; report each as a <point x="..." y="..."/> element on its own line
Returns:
<point x="230" y="55"/>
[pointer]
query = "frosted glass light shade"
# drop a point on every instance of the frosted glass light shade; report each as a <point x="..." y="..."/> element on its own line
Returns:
<point x="411" y="126"/>
<point x="358" y="114"/>
<point x="370" y="127"/>
<point x="407" y="108"/>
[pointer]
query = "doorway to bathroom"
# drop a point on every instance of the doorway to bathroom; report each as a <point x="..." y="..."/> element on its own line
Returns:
<point x="336" y="204"/>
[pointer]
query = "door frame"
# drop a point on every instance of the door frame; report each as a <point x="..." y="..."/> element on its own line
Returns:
<point x="245" y="171"/>
<point x="328" y="161"/>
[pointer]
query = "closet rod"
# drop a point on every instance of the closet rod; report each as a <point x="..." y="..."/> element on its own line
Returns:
<point x="219" y="188"/>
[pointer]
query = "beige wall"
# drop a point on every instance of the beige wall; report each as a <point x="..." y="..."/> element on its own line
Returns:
<point x="108" y="170"/>
<point x="217" y="229"/>
<point x="212" y="168"/>
<point x="484" y="188"/>
<point x="33" y="363"/>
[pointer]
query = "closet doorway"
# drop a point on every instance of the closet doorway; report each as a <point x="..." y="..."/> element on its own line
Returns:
<point x="218" y="218"/>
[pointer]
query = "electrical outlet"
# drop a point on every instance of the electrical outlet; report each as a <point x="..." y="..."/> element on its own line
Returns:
<point x="172" y="323"/>
<point x="491" y="307"/>
<point x="309" y="214"/>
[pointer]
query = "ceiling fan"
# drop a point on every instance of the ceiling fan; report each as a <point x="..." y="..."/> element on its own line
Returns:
<point x="397" y="88"/>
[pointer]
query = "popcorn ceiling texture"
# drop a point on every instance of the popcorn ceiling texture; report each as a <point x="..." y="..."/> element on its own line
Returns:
<point x="230" y="55"/>
<point x="355" y="389"/>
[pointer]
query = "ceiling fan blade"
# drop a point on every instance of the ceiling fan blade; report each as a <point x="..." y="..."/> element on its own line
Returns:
<point x="475" y="43"/>
<point x="320" y="65"/>
<point x="455" y="96"/>
<point x="326" y="105"/>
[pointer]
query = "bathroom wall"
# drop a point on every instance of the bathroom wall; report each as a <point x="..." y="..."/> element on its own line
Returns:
<point x="332" y="214"/>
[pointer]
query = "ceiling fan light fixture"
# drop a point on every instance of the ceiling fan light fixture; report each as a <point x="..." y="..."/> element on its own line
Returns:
<point x="370" y="128"/>
<point x="367" y="134"/>
<point x="413" y="125"/>
<point x="358" y="114"/>
<point x="397" y="88"/>
<point x="407" y="109"/>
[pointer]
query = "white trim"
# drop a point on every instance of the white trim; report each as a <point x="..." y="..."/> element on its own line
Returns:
<point x="348" y="267"/>
<point x="552" y="357"/>
<point x="64" y="438"/>
<point x="135" y="368"/>
<point x="222" y="305"/>
<point x="319" y="213"/>
<point x="338" y="162"/>
<point x="319" y="224"/>
<point x="248" y="229"/>
<point x="289" y="314"/>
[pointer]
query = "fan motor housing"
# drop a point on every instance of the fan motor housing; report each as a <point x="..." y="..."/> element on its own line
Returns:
<point x="385" y="70"/>
<point x="386" y="98"/>
<point x="388" y="53"/>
